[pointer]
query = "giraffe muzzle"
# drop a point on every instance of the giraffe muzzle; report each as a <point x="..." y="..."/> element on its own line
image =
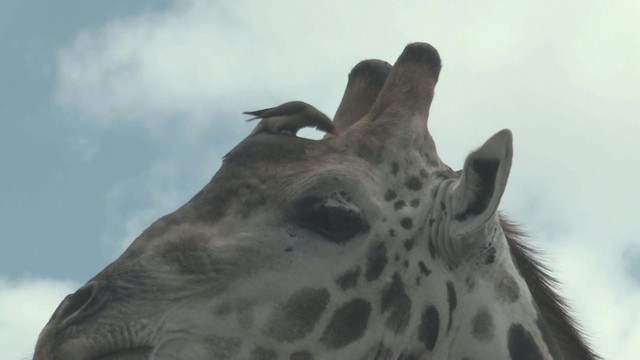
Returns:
<point x="66" y="336"/>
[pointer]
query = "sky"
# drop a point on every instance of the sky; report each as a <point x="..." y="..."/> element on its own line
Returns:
<point x="115" y="113"/>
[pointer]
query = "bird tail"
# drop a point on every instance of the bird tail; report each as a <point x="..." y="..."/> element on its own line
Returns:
<point x="257" y="114"/>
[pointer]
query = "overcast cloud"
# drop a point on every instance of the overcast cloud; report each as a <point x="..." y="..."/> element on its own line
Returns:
<point x="25" y="306"/>
<point x="562" y="76"/>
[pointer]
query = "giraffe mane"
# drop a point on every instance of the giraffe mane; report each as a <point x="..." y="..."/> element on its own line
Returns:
<point x="564" y="330"/>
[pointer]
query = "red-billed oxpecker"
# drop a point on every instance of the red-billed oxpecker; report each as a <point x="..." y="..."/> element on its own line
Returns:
<point x="291" y="117"/>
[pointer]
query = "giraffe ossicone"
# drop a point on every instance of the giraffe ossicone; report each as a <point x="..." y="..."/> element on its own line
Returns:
<point x="362" y="246"/>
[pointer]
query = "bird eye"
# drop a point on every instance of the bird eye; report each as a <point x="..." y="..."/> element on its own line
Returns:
<point x="334" y="218"/>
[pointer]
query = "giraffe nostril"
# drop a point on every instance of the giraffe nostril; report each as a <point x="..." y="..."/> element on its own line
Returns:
<point x="79" y="305"/>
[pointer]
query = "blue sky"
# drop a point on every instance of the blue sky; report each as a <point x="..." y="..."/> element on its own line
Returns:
<point x="115" y="113"/>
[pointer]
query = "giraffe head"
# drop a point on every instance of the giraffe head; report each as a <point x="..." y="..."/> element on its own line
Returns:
<point x="364" y="246"/>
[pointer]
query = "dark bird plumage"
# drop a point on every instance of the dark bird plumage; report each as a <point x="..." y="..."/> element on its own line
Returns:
<point x="291" y="117"/>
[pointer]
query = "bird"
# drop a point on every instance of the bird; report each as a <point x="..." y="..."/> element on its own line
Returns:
<point x="291" y="117"/>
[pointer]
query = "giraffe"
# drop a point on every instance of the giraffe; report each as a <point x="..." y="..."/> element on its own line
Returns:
<point x="362" y="246"/>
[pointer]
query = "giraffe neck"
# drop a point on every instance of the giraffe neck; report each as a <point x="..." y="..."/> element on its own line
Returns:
<point x="485" y="311"/>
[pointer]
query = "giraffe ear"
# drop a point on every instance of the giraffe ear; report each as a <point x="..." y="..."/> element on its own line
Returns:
<point x="477" y="194"/>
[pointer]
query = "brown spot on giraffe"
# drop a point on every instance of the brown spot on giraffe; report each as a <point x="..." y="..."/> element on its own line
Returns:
<point x="297" y="316"/>
<point x="347" y="324"/>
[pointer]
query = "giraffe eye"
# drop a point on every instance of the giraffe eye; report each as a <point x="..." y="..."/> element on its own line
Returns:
<point x="334" y="218"/>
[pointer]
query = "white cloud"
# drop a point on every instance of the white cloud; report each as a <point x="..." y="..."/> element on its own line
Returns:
<point x="564" y="78"/>
<point x="603" y="296"/>
<point x="200" y="55"/>
<point x="25" y="307"/>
